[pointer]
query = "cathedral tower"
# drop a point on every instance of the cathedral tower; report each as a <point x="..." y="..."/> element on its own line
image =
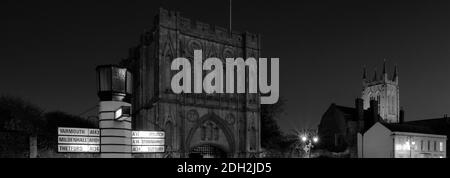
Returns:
<point x="385" y="91"/>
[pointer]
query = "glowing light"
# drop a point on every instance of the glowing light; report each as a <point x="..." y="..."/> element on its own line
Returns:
<point x="118" y="113"/>
<point x="304" y="138"/>
<point x="315" y="139"/>
<point x="122" y="113"/>
<point x="406" y="146"/>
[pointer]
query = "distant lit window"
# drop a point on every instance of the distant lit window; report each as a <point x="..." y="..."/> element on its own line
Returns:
<point x="402" y="144"/>
<point x="398" y="147"/>
<point x="441" y="146"/>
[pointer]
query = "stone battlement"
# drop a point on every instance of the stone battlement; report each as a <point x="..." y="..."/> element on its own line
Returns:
<point x="174" y="20"/>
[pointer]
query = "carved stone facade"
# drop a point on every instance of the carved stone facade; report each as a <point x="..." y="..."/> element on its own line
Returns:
<point x="229" y="123"/>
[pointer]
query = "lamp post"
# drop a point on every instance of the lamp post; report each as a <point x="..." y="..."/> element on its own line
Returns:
<point x="114" y="91"/>
<point x="309" y="141"/>
<point x="309" y="144"/>
<point x="114" y="83"/>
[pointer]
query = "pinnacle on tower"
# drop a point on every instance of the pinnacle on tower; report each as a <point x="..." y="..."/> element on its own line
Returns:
<point x="394" y="78"/>
<point x="384" y="76"/>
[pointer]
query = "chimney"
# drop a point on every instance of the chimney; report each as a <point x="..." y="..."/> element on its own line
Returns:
<point x="373" y="113"/>
<point x="359" y="108"/>
<point x="401" y="118"/>
<point x="447" y="119"/>
<point x="360" y="113"/>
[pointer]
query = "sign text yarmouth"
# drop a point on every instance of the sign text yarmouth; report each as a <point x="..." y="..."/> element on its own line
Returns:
<point x="78" y="140"/>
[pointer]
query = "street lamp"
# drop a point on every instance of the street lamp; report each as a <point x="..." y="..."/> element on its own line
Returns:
<point x="304" y="138"/>
<point x="316" y="139"/>
<point x="309" y="143"/>
<point x="114" y="83"/>
<point x="114" y="89"/>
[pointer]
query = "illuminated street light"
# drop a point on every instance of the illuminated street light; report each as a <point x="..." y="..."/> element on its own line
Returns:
<point x="315" y="139"/>
<point x="307" y="141"/>
<point x="304" y="138"/>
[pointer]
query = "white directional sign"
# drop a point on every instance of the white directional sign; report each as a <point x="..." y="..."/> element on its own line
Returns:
<point x="147" y="149"/>
<point x="78" y="131"/>
<point x="148" y="141"/>
<point x="148" y="134"/>
<point x="78" y="140"/>
<point x="78" y="148"/>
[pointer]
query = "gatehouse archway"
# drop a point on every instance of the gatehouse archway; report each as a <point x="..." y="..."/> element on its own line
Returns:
<point x="207" y="151"/>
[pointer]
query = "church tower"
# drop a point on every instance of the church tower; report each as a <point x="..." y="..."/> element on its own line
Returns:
<point x="385" y="91"/>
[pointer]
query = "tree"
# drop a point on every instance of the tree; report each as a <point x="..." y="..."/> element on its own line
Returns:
<point x="20" y="119"/>
<point x="19" y="122"/>
<point x="57" y="119"/>
<point x="272" y="138"/>
<point x="19" y="115"/>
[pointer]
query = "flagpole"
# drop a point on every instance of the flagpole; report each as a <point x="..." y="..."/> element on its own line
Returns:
<point x="231" y="33"/>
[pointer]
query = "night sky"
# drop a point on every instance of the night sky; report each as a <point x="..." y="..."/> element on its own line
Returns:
<point x="49" y="50"/>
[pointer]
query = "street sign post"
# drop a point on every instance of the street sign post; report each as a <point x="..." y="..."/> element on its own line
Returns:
<point x="81" y="140"/>
<point x="78" y="140"/>
<point x="148" y="142"/>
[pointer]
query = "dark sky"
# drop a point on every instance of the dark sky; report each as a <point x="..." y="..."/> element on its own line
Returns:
<point x="49" y="49"/>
